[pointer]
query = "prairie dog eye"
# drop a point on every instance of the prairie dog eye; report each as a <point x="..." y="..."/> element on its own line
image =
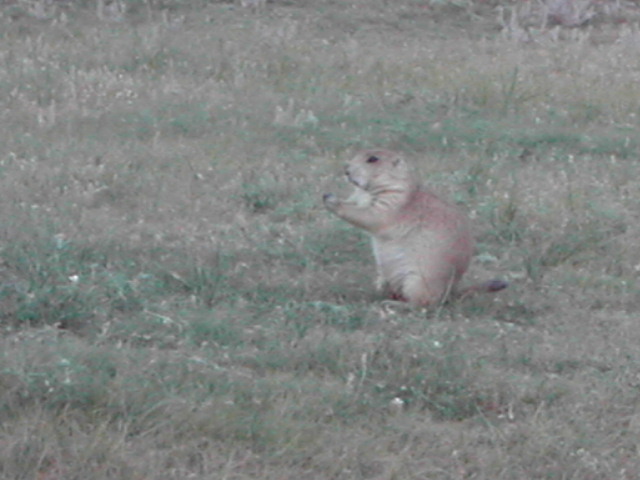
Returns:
<point x="372" y="159"/>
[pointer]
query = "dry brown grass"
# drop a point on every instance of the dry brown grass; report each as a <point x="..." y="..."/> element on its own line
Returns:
<point x="175" y="303"/>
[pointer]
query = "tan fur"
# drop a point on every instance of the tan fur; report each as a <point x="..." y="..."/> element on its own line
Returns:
<point x="422" y="244"/>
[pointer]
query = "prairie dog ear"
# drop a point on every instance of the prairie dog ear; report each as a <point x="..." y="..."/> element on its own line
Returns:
<point x="398" y="161"/>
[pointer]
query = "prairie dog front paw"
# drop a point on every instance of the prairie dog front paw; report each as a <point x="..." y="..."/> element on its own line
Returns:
<point x="330" y="201"/>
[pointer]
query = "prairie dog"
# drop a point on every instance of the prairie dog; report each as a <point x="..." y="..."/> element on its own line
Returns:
<point x="422" y="245"/>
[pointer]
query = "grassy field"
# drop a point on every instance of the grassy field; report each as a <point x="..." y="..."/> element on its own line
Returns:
<point x="175" y="303"/>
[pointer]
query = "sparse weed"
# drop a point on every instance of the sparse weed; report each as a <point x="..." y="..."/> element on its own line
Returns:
<point x="259" y="197"/>
<point x="205" y="282"/>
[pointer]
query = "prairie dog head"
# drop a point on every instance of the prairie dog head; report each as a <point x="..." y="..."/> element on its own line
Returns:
<point x="379" y="170"/>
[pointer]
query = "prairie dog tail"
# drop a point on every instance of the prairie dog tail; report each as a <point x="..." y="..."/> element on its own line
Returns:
<point x="489" y="286"/>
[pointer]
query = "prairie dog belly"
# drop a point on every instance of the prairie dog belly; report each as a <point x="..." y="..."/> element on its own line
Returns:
<point x="419" y="255"/>
<point x="395" y="263"/>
